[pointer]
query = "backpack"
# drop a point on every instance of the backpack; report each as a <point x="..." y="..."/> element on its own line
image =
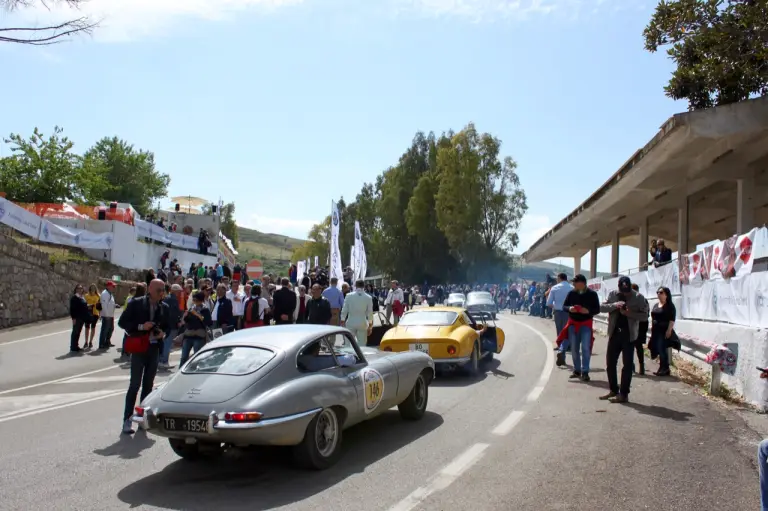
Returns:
<point x="249" y="312"/>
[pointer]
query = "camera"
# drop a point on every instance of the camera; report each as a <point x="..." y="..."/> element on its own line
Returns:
<point x="156" y="331"/>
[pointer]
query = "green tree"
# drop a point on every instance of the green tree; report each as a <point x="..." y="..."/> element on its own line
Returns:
<point x="479" y="201"/>
<point x="45" y="34"/>
<point x="45" y="169"/>
<point x="720" y="48"/>
<point x="228" y="225"/>
<point x="131" y="173"/>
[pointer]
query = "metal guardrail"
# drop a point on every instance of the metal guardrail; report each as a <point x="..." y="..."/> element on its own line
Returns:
<point x="714" y="355"/>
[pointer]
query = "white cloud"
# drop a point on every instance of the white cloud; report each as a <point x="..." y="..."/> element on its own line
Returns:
<point x="532" y="228"/>
<point x="123" y="20"/>
<point x="295" y="228"/>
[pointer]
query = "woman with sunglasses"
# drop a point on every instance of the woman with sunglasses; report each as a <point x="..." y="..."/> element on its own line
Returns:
<point x="663" y="318"/>
<point x="78" y="311"/>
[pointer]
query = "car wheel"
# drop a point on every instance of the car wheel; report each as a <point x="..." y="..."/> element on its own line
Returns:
<point x="473" y="366"/>
<point x="321" y="446"/>
<point x="194" y="452"/>
<point x="415" y="404"/>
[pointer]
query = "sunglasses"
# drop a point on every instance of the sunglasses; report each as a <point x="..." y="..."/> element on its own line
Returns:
<point x="659" y="292"/>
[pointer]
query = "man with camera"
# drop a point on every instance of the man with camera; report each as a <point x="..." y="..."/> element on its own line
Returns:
<point x="626" y="308"/>
<point x="145" y="322"/>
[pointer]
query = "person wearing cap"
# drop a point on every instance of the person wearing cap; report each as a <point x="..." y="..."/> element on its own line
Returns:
<point x="582" y="305"/>
<point x="107" y="313"/>
<point x="626" y="308"/>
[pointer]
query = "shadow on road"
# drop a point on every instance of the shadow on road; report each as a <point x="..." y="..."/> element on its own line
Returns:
<point x="267" y="480"/>
<point x="128" y="447"/>
<point x="661" y="412"/>
<point x="70" y="354"/>
<point x="459" y="378"/>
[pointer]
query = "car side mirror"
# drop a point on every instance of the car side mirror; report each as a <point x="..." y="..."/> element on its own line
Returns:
<point x="347" y="360"/>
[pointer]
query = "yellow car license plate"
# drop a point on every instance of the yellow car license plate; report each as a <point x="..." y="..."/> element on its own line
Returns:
<point x="421" y="346"/>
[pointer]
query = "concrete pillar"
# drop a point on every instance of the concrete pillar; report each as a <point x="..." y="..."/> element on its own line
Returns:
<point x="642" y="246"/>
<point x="745" y="205"/>
<point x="682" y="228"/>
<point x="615" y="253"/>
<point x="577" y="265"/>
<point x="593" y="261"/>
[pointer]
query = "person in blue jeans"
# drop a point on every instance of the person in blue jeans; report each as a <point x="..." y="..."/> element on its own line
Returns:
<point x="197" y="321"/>
<point x="582" y="305"/>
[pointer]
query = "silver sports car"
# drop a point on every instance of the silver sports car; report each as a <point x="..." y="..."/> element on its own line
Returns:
<point x="456" y="300"/>
<point x="293" y="385"/>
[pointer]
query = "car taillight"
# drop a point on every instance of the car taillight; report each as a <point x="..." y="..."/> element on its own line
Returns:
<point x="242" y="416"/>
<point x="451" y="350"/>
<point x="139" y="411"/>
<point x="387" y="349"/>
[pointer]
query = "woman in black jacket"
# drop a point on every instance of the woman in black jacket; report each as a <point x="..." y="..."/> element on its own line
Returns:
<point x="78" y="311"/>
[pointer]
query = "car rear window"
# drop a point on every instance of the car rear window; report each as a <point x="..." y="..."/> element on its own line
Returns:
<point x="232" y="360"/>
<point x="479" y="298"/>
<point x="428" y="318"/>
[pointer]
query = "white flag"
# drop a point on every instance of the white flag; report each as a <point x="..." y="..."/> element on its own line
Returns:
<point x="335" y="254"/>
<point x="301" y="267"/>
<point x="317" y="261"/>
<point x="361" y="262"/>
<point x="308" y="268"/>
<point x="352" y="263"/>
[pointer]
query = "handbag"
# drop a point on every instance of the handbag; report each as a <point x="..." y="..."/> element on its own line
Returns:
<point x="137" y="344"/>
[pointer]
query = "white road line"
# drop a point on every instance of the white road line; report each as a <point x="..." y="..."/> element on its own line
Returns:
<point x="535" y="394"/>
<point x="509" y="423"/>
<point x="98" y="379"/>
<point x="444" y="478"/>
<point x="33" y="338"/>
<point x="67" y="378"/>
<point x="65" y="405"/>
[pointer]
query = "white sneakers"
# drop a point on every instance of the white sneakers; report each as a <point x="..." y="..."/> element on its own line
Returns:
<point x="128" y="427"/>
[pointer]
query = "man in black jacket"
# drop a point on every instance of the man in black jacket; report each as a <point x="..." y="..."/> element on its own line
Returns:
<point x="148" y="316"/>
<point x="318" y="308"/>
<point x="582" y="305"/>
<point x="222" y="311"/>
<point x="284" y="303"/>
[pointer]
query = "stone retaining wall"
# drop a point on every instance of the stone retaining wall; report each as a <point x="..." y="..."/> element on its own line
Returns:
<point x="33" y="288"/>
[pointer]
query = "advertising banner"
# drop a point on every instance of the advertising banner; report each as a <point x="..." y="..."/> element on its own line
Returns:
<point x="52" y="233"/>
<point x="335" y="254"/>
<point x="19" y="218"/>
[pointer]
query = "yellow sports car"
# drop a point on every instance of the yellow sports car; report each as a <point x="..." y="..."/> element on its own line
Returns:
<point x="449" y="335"/>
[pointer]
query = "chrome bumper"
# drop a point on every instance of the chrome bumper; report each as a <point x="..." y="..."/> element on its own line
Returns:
<point x="451" y="361"/>
<point x="275" y="430"/>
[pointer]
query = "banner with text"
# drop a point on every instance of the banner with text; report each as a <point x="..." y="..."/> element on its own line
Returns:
<point x="648" y="281"/>
<point x="19" y="218"/>
<point x="80" y="238"/>
<point x="154" y="232"/>
<point x="742" y="301"/>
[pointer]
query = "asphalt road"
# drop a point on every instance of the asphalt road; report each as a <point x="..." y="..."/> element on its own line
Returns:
<point x="519" y="437"/>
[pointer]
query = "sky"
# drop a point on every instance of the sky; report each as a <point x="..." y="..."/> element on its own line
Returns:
<point x="282" y="106"/>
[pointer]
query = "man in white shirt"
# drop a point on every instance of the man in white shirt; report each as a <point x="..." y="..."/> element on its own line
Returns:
<point x="107" y="314"/>
<point x="395" y="294"/>
<point x="237" y="296"/>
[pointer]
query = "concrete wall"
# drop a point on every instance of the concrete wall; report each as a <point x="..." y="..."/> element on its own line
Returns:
<point x="127" y="251"/>
<point x="32" y="289"/>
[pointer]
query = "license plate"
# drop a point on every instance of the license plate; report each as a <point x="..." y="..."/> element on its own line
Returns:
<point x="422" y="347"/>
<point x="185" y="424"/>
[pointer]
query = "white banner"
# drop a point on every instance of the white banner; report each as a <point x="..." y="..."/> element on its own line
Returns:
<point x="154" y="232"/>
<point x="743" y="261"/>
<point x="52" y="233"/>
<point x="732" y="301"/>
<point x="19" y="218"/>
<point x="698" y="301"/>
<point x="317" y="261"/>
<point x="337" y="270"/>
<point x="353" y="262"/>
<point x="758" y="313"/>
<point x="664" y="276"/>
<point x="301" y="268"/>
<point x="741" y="301"/>
<point x="361" y="261"/>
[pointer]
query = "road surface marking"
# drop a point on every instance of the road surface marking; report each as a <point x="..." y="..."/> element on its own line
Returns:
<point x="66" y="378"/>
<point x="444" y="478"/>
<point x="65" y="405"/>
<point x="509" y="423"/>
<point x="33" y="338"/>
<point x="11" y="406"/>
<point x="98" y="379"/>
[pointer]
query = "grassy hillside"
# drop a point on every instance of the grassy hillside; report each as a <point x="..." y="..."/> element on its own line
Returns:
<point x="273" y="250"/>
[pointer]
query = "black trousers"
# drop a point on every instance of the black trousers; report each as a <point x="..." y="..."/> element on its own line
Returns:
<point x="620" y="345"/>
<point x="143" y="371"/>
<point x="77" y="329"/>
